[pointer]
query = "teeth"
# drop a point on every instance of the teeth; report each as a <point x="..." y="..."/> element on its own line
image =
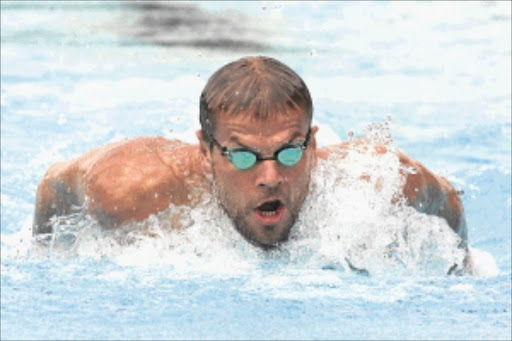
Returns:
<point x="268" y="212"/>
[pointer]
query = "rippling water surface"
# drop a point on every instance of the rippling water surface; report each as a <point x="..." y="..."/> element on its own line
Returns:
<point x="431" y="79"/>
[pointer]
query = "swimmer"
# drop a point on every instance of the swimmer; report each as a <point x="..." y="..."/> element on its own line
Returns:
<point x="257" y="148"/>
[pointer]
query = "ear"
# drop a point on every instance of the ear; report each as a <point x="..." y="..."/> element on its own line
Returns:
<point x="206" y="155"/>
<point x="314" y="130"/>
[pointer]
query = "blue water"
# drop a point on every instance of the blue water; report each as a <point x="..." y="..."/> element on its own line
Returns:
<point x="78" y="75"/>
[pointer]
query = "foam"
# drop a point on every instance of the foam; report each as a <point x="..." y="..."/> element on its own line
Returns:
<point x="19" y="244"/>
<point x="370" y="233"/>
<point x="483" y="263"/>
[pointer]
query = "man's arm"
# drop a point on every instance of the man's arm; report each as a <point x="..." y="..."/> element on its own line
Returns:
<point x="59" y="193"/>
<point x="426" y="192"/>
<point x="433" y="194"/>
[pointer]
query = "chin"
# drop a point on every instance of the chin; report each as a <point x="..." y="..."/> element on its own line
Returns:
<point x="267" y="244"/>
<point x="266" y="237"/>
<point x="258" y="234"/>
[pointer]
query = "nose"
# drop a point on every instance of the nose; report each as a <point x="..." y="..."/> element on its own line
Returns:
<point x="269" y="175"/>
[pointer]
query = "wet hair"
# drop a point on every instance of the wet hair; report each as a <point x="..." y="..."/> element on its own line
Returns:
<point x="262" y="87"/>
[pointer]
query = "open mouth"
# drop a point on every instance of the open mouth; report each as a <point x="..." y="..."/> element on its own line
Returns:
<point x="270" y="207"/>
<point x="270" y="211"/>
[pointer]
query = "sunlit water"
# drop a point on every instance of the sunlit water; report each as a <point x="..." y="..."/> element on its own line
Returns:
<point x="430" y="79"/>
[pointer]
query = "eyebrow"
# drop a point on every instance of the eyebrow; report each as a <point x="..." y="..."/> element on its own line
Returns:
<point x="236" y="140"/>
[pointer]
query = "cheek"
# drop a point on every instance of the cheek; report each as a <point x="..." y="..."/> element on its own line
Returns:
<point x="299" y="183"/>
<point x="232" y="184"/>
<point x="298" y="180"/>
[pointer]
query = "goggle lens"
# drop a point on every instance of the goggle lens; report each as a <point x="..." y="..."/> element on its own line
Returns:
<point x="289" y="156"/>
<point x="243" y="159"/>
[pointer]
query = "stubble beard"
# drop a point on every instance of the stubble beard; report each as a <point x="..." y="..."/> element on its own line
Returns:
<point x="239" y="217"/>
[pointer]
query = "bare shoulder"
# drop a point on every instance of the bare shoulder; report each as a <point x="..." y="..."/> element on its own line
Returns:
<point x="424" y="190"/>
<point x="122" y="181"/>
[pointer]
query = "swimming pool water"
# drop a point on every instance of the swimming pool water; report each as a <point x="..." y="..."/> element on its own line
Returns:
<point x="75" y="75"/>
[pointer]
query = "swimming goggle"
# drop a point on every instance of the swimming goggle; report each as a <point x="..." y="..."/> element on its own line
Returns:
<point x="244" y="158"/>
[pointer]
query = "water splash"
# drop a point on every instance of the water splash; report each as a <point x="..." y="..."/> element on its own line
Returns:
<point x="353" y="219"/>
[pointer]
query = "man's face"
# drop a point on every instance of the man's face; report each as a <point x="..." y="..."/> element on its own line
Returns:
<point x="264" y="200"/>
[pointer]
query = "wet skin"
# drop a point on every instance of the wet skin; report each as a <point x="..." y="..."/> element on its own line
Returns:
<point x="130" y="180"/>
<point x="243" y="192"/>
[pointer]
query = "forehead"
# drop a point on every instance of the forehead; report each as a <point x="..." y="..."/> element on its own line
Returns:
<point x="244" y="127"/>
